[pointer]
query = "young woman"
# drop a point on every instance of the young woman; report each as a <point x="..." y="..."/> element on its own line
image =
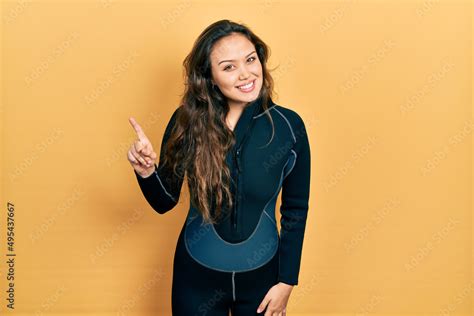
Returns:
<point x="238" y="149"/>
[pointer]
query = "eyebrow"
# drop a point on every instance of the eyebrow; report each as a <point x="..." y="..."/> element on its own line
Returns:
<point x="233" y="59"/>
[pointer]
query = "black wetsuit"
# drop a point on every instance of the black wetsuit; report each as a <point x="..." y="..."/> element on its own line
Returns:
<point x="233" y="264"/>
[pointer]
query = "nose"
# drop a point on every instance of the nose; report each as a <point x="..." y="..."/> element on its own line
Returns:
<point x="244" y="74"/>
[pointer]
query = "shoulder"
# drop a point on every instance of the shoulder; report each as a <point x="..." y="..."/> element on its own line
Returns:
<point x="176" y="113"/>
<point x="174" y="116"/>
<point x="171" y="123"/>
<point x="292" y="118"/>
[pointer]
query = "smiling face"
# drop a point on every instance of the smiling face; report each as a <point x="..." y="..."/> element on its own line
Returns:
<point x="236" y="69"/>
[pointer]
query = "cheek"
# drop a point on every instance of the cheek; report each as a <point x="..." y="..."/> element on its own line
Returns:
<point x="228" y="81"/>
<point x="257" y="68"/>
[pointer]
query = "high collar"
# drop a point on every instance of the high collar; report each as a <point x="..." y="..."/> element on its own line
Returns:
<point x="257" y="106"/>
<point x="246" y="119"/>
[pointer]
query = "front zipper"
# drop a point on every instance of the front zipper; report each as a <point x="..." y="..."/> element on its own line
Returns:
<point x="236" y="204"/>
<point x="238" y="166"/>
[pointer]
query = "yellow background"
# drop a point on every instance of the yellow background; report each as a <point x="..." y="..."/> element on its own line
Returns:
<point x="384" y="88"/>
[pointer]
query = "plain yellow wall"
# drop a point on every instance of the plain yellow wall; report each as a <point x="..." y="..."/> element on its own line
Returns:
<point x="384" y="88"/>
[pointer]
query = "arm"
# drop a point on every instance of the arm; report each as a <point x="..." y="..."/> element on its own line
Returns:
<point x="294" y="208"/>
<point x="162" y="188"/>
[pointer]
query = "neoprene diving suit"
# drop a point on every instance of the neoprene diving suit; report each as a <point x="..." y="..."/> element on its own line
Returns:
<point x="233" y="264"/>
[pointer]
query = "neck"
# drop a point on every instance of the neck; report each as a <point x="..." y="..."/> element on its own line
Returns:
<point x="233" y="105"/>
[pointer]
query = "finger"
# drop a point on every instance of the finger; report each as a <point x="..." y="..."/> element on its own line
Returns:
<point x="147" y="149"/>
<point x="262" y="305"/>
<point x="150" y="154"/>
<point x="139" y="159"/>
<point x="139" y="145"/>
<point x="149" y="160"/>
<point x="132" y="158"/>
<point x="134" y="161"/>
<point x="138" y="129"/>
<point x="138" y="156"/>
<point x="153" y="155"/>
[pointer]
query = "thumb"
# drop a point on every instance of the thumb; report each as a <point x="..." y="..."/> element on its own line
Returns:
<point x="263" y="304"/>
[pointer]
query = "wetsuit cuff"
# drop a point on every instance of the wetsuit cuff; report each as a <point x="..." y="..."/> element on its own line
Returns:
<point x="145" y="178"/>
<point x="288" y="281"/>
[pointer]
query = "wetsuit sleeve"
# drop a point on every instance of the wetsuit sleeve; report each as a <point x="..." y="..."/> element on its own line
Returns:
<point x="294" y="208"/>
<point x="162" y="188"/>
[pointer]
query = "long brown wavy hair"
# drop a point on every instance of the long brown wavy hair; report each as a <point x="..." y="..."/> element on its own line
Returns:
<point x="200" y="138"/>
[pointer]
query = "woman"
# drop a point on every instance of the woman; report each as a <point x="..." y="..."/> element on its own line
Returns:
<point x="238" y="149"/>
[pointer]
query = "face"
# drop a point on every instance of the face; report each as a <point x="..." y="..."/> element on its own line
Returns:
<point x="234" y="64"/>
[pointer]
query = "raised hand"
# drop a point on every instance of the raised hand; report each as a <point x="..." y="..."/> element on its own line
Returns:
<point x="141" y="155"/>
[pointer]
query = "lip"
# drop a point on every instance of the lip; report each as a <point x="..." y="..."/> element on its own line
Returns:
<point x="245" y="83"/>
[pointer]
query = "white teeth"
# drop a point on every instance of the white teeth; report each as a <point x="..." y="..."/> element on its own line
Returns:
<point x="247" y="86"/>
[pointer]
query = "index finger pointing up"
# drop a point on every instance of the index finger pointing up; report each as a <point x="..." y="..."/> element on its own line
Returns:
<point x="137" y="128"/>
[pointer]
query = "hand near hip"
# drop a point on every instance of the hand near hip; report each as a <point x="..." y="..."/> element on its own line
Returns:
<point x="276" y="300"/>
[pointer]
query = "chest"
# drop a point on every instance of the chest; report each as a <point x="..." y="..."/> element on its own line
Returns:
<point x="259" y="167"/>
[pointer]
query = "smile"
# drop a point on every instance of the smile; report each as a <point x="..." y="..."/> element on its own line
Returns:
<point x="248" y="87"/>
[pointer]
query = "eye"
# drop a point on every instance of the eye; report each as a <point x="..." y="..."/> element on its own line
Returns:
<point x="227" y="67"/>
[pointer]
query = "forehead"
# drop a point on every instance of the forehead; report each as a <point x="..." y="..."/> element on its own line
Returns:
<point x="234" y="46"/>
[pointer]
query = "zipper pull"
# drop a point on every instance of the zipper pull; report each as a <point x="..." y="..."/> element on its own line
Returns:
<point x="237" y="153"/>
<point x="233" y="214"/>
